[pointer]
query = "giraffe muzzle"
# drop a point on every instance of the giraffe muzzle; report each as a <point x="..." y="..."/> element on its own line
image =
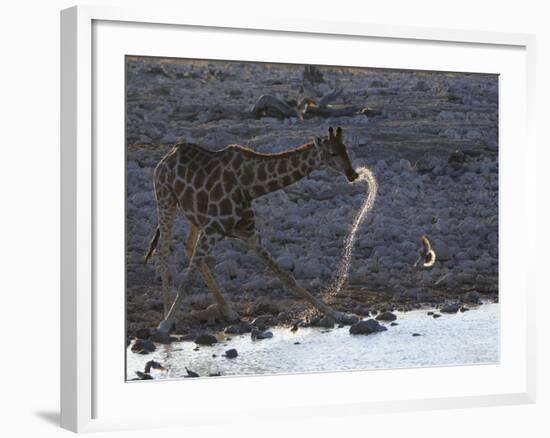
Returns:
<point x="352" y="176"/>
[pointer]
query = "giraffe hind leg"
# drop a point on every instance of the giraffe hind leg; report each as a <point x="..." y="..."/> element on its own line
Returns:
<point x="205" y="242"/>
<point x="207" y="276"/>
<point x="166" y="211"/>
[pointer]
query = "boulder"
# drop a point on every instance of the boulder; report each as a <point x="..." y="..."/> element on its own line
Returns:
<point x="263" y="322"/>
<point x="327" y="322"/>
<point x="456" y="159"/>
<point x="286" y="262"/>
<point x="405" y="165"/>
<point x="423" y="166"/>
<point x="366" y="327"/>
<point x="473" y="297"/>
<point x="314" y="321"/>
<point x="258" y="334"/>
<point x="161" y="337"/>
<point x="450" y="308"/>
<point x="234" y="329"/>
<point x="231" y="353"/>
<point x="386" y="316"/>
<point x="143" y="333"/>
<point x="143" y="346"/>
<point x="205" y="339"/>
<point x="348" y="319"/>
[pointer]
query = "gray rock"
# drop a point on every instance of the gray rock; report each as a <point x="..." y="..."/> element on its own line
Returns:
<point x="205" y="339"/>
<point x="450" y="308"/>
<point x="327" y="322"/>
<point x="348" y="319"/>
<point x="366" y="327"/>
<point x="161" y="337"/>
<point x="231" y="353"/>
<point x="314" y="321"/>
<point x="424" y="166"/>
<point x="237" y="329"/>
<point x="456" y="158"/>
<point x="143" y="333"/>
<point x="143" y="346"/>
<point x="258" y="334"/>
<point x="386" y="316"/>
<point x="473" y="297"/>
<point x="405" y="165"/>
<point x="286" y="262"/>
<point x="263" y="322"/>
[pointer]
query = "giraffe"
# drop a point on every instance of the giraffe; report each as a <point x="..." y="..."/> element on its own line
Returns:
<point x="215" y="190"/>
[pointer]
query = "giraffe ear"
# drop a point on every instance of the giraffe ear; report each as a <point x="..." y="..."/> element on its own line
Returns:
<point x="317" y="141"/>
<point x="339" y="133"/>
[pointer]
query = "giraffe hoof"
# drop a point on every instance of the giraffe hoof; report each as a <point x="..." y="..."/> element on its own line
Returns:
<point x="165" y="326"/>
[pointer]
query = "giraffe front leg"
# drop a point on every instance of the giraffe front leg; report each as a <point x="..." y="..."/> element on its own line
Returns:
<point x="290" y="282"/>
<point x="208" y="278"/>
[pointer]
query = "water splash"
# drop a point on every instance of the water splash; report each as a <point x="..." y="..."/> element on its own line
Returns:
<point x="343" y="269"/>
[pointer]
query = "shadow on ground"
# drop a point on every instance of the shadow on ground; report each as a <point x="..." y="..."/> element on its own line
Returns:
<point x="51" y="417"/>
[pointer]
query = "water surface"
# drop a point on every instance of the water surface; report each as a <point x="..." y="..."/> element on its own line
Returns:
<point x="459" y="339"/>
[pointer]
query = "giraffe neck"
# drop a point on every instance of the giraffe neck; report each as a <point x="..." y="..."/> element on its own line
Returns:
<point x="260" y="174"/>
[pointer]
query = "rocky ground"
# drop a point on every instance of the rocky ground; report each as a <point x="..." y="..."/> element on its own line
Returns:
<point x="430" y="138"/>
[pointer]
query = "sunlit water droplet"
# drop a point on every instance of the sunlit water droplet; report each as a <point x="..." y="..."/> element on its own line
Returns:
<point x="343" y="269"/>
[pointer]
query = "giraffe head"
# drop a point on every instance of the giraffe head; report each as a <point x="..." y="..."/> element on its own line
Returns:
<point x="334" y="153"/>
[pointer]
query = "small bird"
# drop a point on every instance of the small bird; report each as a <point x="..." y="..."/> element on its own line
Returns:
<point x="427" y="253"/>
<point x="145" y="375"/>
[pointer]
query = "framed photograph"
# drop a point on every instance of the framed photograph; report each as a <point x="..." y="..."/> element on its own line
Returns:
<point x="338" y="211"/>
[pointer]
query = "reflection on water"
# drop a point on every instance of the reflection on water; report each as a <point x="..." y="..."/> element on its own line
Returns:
<point x="463" y="338"/>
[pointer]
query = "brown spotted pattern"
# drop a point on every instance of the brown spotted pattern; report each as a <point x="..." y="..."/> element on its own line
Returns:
<point x="214" y="189"/>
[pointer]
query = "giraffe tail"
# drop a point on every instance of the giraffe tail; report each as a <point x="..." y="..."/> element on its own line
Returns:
<point x="152" y="246"/>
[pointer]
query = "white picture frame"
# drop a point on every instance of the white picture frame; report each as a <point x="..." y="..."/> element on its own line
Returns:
<point x="83" y="368"/>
